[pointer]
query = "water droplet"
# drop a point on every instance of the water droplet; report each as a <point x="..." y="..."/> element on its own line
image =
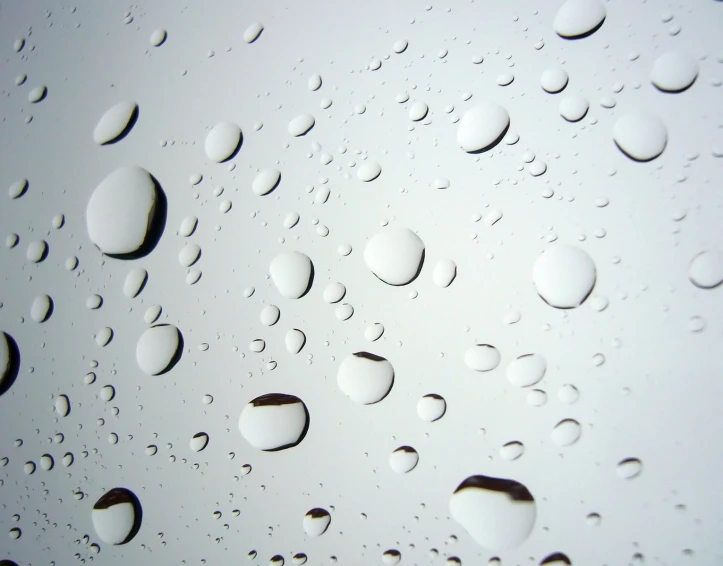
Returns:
<point x="301" y="124"/>
<point x="294" y="340"/>
<point x="189" y="255"/>
<point x="188" y="226"/>
<point x="15" y="533"/>
<point x="37" y="251"/>
<point x="152" y="313"/>
<point x="266" y="181"/>
<point x="368" y="171"/>
<point x="299" y="558"/>
<point x="116" y="516"/>
<point x="134" y="282"/>
<point x="568" y="394"/>
<point x="292" y="274"/>
<point x="431" y="407"/>
<point x="115" y="123"/>
<point x="274" y="421"/>
<point x="373" y="332"/>
<point x="418" y="111"/>
<point x="640" y="135"/>
<point x="554" y="80"/>
<point x="482" y="127"/>
<point x="316" y="522"/>
<point x="223" y="141"/>
<point x="556" y="559"/>
<point x="314" y="82"/>
<point x="104" y="336"/>
<point x="444" y="273"/>
<point x="391" y="556"/>
<point x="537" y="168"/>
<point x="566" y="432"/>
<point x="107" y="393"/>
<point x="122" y="210"/>
<point x="706" y="269"/>
<point x="497" y="513"/>
<point x="270" y="315"/>
<point x="158" y="348"/>
<point x="574" y="107"/>
<point x="482" y="357"/>
<point x="629" y="468"/>
<point x="257" y="345"/>
<point x="578" y="18"/>
<point x="512" y="450"/>
<point x="158" y="37"/>
<point x="404" y="459"/>
<point x="564" y="276"/>
<point x="37" y="94"/>
<point x="344" y="311"/>
<point x="395" y="255"/>
<point x="253" y="32"/>
<point x="199" y="441"/>
<point x="365" y="378"/>
<point x="505" y="79"/>
<point x="46" y="462"/>
<point x="334" y="292"/>
<point x="18" y="188"/>
<point x="400" y="46"/>
<point x="41" y="308"/>
<point x="696" y="324"/>
<point x="674" y="71"/>
<point x="527" y="370"/>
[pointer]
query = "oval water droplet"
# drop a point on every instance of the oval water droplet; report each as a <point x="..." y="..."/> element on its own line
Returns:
<point x="134" y="282"/>
<point x="404" y="459"/>
<point x="107" y="393"/>
<point x="482" y="127"/>
<point x="418" y="111"/>
<point x="554" y="80"/>
<point x="189" y="254"/>
<point x="266" y="181"/>
<point x="158" y="37"/>
<point x="37" y="94"/>
<point x="292" y="274"/>
<point x="374" y="332"/>
<point x="444" y="273"/>
<point x="365" y="378"/>
<point x="629" y="468"/>
<point x="104" y="336"/>
<point x="527" y="370"/>
<point x="391" y="557"/>
<point x="62" y="405"/>
<point x="316" y="522"/>
<point x="188" y="226"/>
<point x="566" y="432"/>
<point x="400" y="46"/>
<point x="223" y="141"/>
<point x="18" y="188"/>
<point x="674" y="71"/>
<point x="152" y="313"/>
<point x="158" y="348"/>
<point x="314" y="82"/>
<point x="270" y="315"/>
<point x="301" y="124"/>
<point x="511" y="451"/>
<point x="115" y="123"/>
<point x="395" y="255"/>
<point x="578" y="18"/>
<point x="291" y="220"/>
<point x="369" y="171"/>
<point x="253" y="32"/>
<point x="640" y="135"/>
<point x="574" y="107"/>
<point x="46" y="462"/>
<point x="498" y="513"/>
<point x="41" y="308"/>
<point x="37" y="251"/>
<point x="116" y="516"/>
<point x="564" y="276"/>
<point x="274" y="421"/>
<point x="482" y="357"/>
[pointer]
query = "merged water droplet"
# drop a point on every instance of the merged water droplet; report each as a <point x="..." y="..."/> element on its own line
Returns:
<point x="316" y="522"/>
<point x="395" y="255"/>
<point x="482" y="357"/>
<point x="482" y="127"/>
<point x="223" y="141"/>
<point x="158" y="349"/>
<point x="564" y="276"/>
<point x="497" y="513"/>
<point x="674" y="71"/>
<point x="365" y="378"/>
<point x="116" y="516"/>
<point x="404" y="459"/>
<point x="292" y="274"/>
<point x="579" y="18"/>
<point x="115" y="123"/>
<point x="640" y="135"/>
<point x="274" y="421"/>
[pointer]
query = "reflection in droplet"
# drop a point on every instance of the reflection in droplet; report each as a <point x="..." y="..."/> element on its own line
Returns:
<point x="365" y="378"/>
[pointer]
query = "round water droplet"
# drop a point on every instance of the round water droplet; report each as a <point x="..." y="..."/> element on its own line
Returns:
<point x="368" y="171"/>
<point x="391" y="556"/>
<point x="629" y="468"/>
<point x="578" y="18"/>
<point x="400" y="46"/>
<point x="498" y="513"/>
<point x="574" y="107"/>
<point x="107" y="393"/>
<point x="274" y="421"/>
<point x="374" y="332"/>
<point x="189" y="255"/>
<point x="395" y="255"/>
<point x="537" y="168"/>
<point x="15" y="533"/>
<point x="674" y="71"/>
<point x="566" y="432"/>
<point x="121" y="211"/>
<point x="554" y="80"/>
<point x="199" y="441"/>
<point x="314" y="82"/>
<point x="441" y="183"/>
<point x="253" y="32"/>
<point x="116" y="516"/>
<point x="512" y="450"/>
<point x="344" y="311"/>
<point x="482" y="357"/>
<point x="266" y="181"/>
<point x="564" y="276"/>
<point x="134" y="282"/>
<point x="62" y="405"/>
<point x="418" y="111"/>
<point x="41" y="308"/>
<point x="46" y="462"/>
<point x="301" y="124"/>
<point x="294" y="340"/>
<point x="270" y="315"/>
<point x="482" y="127"/>
<point x="365" y="378"/>
<point x="316" y="522"/>
<point x="527" y="370"/>
<point x="158" y="37"/>
<point x="404" y="459"/>
<point x="158" y="348"/>
<point x="18" y="188"/>
<point x="431" y="407"/>
<point x="223" y="141"/>
<point x="37" y="251"/>
<point x="292" y="274"/>
<point x="115" y="123"/>
<point x="640" y="135"/>
<point x="444" y="273"/>
<point x="29" y="468"/>
<point x="706" y="269"/>
<point x="568" y="394"/>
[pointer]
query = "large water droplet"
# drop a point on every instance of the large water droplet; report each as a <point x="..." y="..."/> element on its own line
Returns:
<point x="418" y="111"/>
<point x="365" y="378"/>
<point x="122" y="211"/>
<point x="482" y="357"/>
<point x="482" y="127"/>
<point x="527" y="370"/>
<point x="395" y="255"/>
<point x="497" y="513"/>
<point x="116" y="123"/>
<point x="223" y="141"/>
<point x="640" y="135"/>
<point x="578" y="18"/>
<point x="274" y="421"/>
<point x="674" y="71"/>
<point x="706" y="269"/>
<point x="564" y="276"/>
<point x="316" y="522"/>
<point x="116" y="516"/>
<point x="404" y="459"/>
<point x="292" y="273"/>
<point x="158" y="349"/>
